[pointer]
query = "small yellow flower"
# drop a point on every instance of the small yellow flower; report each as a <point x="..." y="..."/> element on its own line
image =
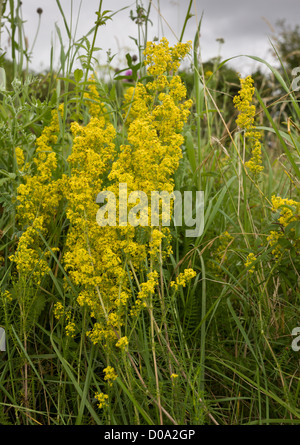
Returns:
<point x="208" y="74"/>
<point x="273" y="240"/>
<point x="122" y="343"/>
<point x="250" y="259"/>
<point x="288" y="211"/>
<point x="70" y="329"/>
<point x="102" y="399"/>
<point x="183" y="278"/>
<point x="110" y="375"/>
<point x="245" y="120"/>
<point x="6" y="295"/>
<point x="243" y="102"/>
<point x="162" y="59"/>
<point x="59" y="310"/>
<point x="287" y="215"/>
<point x="20" y="157"/>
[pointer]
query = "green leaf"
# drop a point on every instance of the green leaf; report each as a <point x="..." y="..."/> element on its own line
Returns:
<point x="112" y="93"/>
<point x="78" y="74"/>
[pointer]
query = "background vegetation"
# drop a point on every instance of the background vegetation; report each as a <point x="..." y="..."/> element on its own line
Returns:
<point x="218" y="350"/>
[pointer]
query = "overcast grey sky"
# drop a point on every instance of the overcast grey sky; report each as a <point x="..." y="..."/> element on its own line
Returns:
<point x="245" y="26"/>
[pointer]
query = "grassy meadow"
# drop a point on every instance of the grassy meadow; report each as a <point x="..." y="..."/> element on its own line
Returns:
<point x="141" y="324"/>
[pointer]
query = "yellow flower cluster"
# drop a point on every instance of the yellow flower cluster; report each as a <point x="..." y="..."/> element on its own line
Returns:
<point x="245" y="120"/>
<point x="289" y="211"/>
<point x="183" y="278"/>
<point x="59" y="313"/>
<point x="102" y="262"/>
<point x="96" y="107"/>
<point x="122" y="343"/>
<point x="161" y="59"/>
<point x="273" y="240"/>
<point x="70" y="329"/>
<point x="59" y="310"/>
<point x="20" y="158"/>
<point x="250" y="259"/>
<point x="243" y="102"/>
<point x="102" y="399"/>
<point x="39" y="193"/>
<point x="93" y="254"/>
<point x="38" y="200"/>
<point x="254" y="164"/>
<point x="28" y="258"/>
<point x="287" y="214"/>
<point x="110" y="375"/>
<point x="155" y="114"/>
<point x="208" y="74"/>
<point x="147" y="288"/>
<point x="155" y="243"/>
<point x="6" y="295"/>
